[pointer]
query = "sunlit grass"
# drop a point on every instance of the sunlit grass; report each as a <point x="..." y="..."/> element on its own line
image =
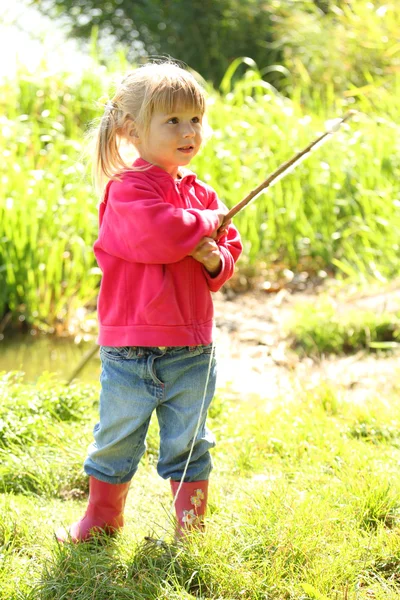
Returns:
<point x="325" y="328"/>
<point x="304" y="503"/>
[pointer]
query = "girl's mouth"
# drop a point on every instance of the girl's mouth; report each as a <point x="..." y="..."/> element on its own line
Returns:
<point x="186" y="149"/>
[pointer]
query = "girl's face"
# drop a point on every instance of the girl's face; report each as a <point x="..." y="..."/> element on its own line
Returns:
<point x="172" y="139"/>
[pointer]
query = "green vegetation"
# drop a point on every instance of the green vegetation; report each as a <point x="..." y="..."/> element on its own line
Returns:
<point x="305" y="494"/>
<point x="328" y="330"/>
<point x="304" y="503"/>
<point x="47" y="208"/>
<point x="223" y="29"/>
<point x="354" y="46"/>
<point x="344" y="44"/>
<point x="339" y="211"/>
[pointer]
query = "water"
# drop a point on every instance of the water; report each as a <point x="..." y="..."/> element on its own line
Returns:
<point x="34" y="355"/>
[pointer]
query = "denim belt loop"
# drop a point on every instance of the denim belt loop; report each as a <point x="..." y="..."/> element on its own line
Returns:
<point x="135" y="350"/>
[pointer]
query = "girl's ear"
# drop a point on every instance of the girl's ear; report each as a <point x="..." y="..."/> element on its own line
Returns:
<point x="134" y="134"/>
<point x="131" y="131"/>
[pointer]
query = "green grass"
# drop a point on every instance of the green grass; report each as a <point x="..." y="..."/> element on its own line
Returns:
<point x="325" y="328"/>
<point x="304" y="503"/>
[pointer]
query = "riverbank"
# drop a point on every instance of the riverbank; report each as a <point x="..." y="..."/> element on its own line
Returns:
<point x="253" y="343"/>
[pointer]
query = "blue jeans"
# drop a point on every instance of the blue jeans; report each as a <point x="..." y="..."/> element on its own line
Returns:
<point x="135" y="381"/>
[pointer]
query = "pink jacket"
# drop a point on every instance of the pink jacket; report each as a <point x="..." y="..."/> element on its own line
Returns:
<point x="152" y="293"/>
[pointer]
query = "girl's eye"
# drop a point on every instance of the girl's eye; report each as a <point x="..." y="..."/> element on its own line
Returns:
<point x="175" y="120"/>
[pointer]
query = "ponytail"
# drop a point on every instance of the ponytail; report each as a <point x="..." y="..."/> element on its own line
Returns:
<point x="108" y="162"/>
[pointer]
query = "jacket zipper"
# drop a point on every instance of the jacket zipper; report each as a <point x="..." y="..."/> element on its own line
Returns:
<point x="189" y="263"/>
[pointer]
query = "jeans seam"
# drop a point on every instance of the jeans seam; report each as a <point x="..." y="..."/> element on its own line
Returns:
<point x="134" y="455"/>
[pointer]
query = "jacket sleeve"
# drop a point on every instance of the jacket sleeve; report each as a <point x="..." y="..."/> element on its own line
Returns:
<point x="230" y="248"/>
<point x="137" y="225"/>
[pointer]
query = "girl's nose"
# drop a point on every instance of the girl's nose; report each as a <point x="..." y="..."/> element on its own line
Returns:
<point x="189" y="131"/>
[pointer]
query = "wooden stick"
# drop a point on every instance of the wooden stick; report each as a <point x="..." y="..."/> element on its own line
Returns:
<point x="83" y="362"/>
<point x="289" y="164"/>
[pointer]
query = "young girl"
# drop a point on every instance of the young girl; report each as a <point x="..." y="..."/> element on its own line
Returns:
<point x="160" y="256"/>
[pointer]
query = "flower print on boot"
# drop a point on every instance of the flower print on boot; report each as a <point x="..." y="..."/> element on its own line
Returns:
<point x="190" y="505"/>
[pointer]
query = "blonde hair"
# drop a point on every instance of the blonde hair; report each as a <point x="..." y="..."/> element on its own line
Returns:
<point x="154" y="87"/>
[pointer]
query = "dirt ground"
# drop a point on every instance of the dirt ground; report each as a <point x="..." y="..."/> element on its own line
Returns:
<point x="255" y="357"/>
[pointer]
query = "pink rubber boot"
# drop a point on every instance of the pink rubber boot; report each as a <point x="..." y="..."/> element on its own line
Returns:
<point x="190" y="505"/>
<point x="105" y="512"/>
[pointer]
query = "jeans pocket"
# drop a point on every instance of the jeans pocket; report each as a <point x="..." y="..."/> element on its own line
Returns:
<point x="115" y="352"/>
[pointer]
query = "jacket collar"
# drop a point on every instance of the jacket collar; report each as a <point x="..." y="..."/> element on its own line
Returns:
<point x="156" y="171"/>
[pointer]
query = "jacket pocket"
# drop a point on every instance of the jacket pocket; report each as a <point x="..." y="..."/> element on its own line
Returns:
<point x="164" y="308"/>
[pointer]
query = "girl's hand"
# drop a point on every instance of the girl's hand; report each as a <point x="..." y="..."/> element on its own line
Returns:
<point x="207" y="253"/>
<point x="221" y="212"/>
<point x="222" y="230"/>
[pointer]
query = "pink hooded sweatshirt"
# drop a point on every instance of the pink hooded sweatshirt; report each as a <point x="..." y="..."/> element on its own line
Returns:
<point x="152" y="293"/>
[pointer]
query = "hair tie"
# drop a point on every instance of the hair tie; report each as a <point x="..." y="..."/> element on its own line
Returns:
<point x="110" y="106"/>
<point x="107" y="104"/>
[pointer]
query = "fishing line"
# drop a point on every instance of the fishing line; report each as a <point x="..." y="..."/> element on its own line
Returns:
<point x="277" y="175"/>
<point x="161" y="541"/>
<point x="282" y="171"/>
